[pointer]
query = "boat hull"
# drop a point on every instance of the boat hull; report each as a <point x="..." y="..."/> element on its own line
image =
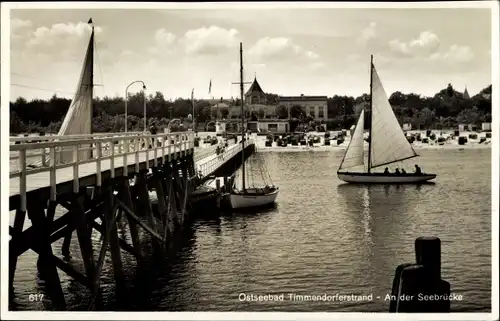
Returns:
<point x="381" y="178"/>
<point x="204" y="197"/>
<point x="249" y="200"/>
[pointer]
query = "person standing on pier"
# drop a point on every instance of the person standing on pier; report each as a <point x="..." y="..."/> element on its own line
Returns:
<point x="153" y="130"/>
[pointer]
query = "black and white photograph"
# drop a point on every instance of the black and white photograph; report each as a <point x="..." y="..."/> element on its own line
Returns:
<point x="212" y="161"/>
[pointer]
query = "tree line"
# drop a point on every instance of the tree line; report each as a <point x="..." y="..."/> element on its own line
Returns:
<point x="445" y="109"/>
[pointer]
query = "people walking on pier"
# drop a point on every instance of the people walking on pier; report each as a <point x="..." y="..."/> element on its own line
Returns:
<point x="219" y="150"/>
<point x="153" y="130"/>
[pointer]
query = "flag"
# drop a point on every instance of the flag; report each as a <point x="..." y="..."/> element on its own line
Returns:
<point x="210" y="87"/>
<point x="90" y="21"/>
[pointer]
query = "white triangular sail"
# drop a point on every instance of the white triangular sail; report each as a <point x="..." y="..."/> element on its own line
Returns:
<point x="388" y="141"/>
<point x="354" y="155"/>
<point x="78" y="120"/>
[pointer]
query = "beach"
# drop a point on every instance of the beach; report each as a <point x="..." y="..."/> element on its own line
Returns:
<point x="449" y="143"/>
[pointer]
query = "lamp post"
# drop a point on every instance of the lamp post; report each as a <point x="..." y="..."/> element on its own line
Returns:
<point x="126" y="99"/>
<point x="145" y="120"/>
<point x="194" y="119"/>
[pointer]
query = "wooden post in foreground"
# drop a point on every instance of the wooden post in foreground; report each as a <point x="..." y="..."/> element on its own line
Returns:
<point x="418" y="287"/>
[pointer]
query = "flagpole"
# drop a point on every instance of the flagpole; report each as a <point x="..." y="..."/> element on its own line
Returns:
<point x="194" y="119"/>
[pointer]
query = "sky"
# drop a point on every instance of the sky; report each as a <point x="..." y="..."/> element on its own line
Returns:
<point x="291" y="51"/>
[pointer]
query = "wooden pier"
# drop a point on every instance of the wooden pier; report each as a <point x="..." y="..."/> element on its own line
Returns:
<point x="100" y="179"/>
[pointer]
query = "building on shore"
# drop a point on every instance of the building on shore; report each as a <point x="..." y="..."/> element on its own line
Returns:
<point x="269" y="112"/>
<point x="255" y="95"/>
<point x="270" y="107"/>
<point x="316" y="106"/>
<point x="269" y="125"/>
<point x="257" y="104"/>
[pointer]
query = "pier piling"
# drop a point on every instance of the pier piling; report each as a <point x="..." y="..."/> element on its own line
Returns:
<point x="46" y="266"/>
<point x="110" y="218"/>
<point x="418" y="287"/>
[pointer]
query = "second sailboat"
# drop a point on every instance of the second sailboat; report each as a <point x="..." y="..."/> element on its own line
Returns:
<point x="387" y="144"/>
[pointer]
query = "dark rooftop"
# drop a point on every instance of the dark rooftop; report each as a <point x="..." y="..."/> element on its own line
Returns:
<point x="255" y="87"/>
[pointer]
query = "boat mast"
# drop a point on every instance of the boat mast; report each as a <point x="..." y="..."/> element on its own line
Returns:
<point x="371" y="116"/>
<point x="194" y="117"/>
<point x="92" y="39"/>
<point x="242" y="121"/>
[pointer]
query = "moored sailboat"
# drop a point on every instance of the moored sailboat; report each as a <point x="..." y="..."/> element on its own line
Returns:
<point x="387" y="144"/>
<point x="254" y="196"/>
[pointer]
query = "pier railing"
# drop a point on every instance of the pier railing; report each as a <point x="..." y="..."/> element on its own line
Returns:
<point x="28" y="139"/>
<point x="42" y="153"/>
<point x="104" y="152"/>
<point x="210" y="166"/>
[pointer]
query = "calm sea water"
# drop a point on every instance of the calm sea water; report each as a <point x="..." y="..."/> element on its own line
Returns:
<point x="323" y="236"/>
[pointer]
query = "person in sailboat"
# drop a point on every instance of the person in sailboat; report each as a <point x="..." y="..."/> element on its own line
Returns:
<point x="418" y="170"/>
<point x="386" y="171"/>
<point x="403" y="171"/>
<point x="397" y="171"/>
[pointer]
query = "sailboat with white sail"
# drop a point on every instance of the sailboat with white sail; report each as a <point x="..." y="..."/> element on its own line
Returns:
<point x="78" y="119"/>
<point x="387" y="144"/>
<point x="249" y="197"/>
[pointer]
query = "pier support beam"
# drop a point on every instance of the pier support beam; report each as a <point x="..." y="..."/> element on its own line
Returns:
<point x="114" y="245"/>
<point x="185" y="186"/>
<point x="16" y="235"/>
<point x="145" y="203"/>
<point x="167" y="181"/>
<point x="160" y="195"/>
<point x="84" y="235"/>
<point x="167" y="190"/>
<point x="46" y="266"/>
<point x="176" y="196"/>
<point x="65" y="251"/>
<point x="126" y="197"/>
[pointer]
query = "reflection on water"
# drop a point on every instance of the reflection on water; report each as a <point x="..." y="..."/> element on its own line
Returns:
<point x="366" y="216"/>
<point x="323" y="236"/>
